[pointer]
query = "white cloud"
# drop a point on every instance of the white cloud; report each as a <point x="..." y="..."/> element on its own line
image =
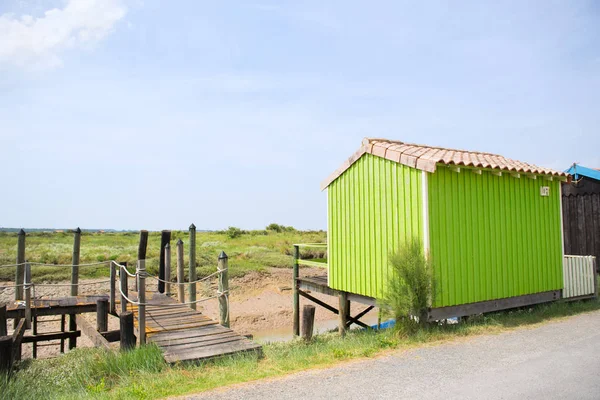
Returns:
<point x="37" y="42"/>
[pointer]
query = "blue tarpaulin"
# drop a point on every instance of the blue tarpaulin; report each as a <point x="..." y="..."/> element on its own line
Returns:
<point x="578" y="171"/>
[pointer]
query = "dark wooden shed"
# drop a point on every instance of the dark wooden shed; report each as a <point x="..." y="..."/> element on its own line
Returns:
<point x="581" y="212"/>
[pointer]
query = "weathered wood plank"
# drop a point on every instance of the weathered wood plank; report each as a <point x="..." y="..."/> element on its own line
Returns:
<point x="198" y="339"/>
<point x="213" y="351"/>
<point x="86" y="327"/>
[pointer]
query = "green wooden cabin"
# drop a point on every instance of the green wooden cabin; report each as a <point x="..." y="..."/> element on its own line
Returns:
<point x="491" y="225"/>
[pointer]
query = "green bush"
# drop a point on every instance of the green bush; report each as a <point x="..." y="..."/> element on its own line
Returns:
<point x="411" y="287"/>
<point x="234" y="232"/>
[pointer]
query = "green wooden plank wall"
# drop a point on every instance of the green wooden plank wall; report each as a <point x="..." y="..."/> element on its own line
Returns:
<point x="372" y="207"/>
<point x="493" y="236"/>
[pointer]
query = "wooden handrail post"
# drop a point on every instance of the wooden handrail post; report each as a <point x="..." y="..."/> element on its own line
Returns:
<point x="124" y="287"/>
<point x="168" y="269"/>
<point x="20" y="272"/>
<point x="127" y="335"/>
<point x="192" y="273"/>
<point x="142" y="248"/>
<point x="165" y="238"/>
<point x="113" y="289"/>
<point x="180" y="272"/>
<point x="27" y="287"/>
<point x="295" y="273"/>
<point x="74" y="283"/>
<point x="223" y="289"/>
<point x="141" y="273"/>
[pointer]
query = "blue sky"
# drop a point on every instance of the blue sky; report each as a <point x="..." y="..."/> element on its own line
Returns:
<point x="152" y="115"/>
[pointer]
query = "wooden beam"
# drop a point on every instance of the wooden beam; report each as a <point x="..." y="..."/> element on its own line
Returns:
<point x="17" y="339"/>
<point x="497" y="173"/>
<point x="515" y="175"/>
<point x="44" y="337"/>
<point x="481" y="307"/>
<point x="477" y="171"/>
<point x="91" y="332"/>
<point x="454" y="168"/>
<point x="548" y="178"/>
<point x="317" y="301"/>
<point x="531" y="176"/>
<point x="112" y="336"/>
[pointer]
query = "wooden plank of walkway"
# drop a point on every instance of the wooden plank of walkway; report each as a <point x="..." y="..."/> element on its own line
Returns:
<point x="56" y="306"/>
<point x="184" y="334"/>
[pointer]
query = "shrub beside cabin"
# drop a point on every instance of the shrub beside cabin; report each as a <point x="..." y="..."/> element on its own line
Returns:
<point x="491" y="225"/>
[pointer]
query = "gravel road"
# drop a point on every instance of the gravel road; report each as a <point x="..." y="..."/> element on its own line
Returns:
<point x="558" y="360"/>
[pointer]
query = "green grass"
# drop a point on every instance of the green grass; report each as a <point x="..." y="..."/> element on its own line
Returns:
<point x="142" y="374"/>
<point x="252" y="251"/>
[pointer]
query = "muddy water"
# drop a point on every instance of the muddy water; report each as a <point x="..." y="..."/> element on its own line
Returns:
<point x="284" y="334"/>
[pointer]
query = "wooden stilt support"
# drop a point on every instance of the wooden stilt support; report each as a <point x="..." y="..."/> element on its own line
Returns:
<point x="295" y="273"/>
<point x="63" y="320"/>
<point x="343" y="314"/>
<point x="142" y="248"/>
<point x="6" y="359"/>
<point x="113" y="289"/>
<point x="168" y="269"/>
<point x="20" y="271"/>
<point x="3" y="321"/>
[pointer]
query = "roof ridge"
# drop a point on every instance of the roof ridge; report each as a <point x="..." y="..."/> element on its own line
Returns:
<point x="370" y="140"/>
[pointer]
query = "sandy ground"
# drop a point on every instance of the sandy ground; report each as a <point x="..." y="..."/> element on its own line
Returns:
<point x="260" y="304"/>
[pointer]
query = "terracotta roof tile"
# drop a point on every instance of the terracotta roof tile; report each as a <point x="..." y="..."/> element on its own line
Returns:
<point x="427" y="158"/>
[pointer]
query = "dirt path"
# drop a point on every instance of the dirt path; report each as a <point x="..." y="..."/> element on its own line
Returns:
<point x="259" y="302"/>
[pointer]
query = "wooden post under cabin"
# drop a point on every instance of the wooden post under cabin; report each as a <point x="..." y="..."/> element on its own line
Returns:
<point x="74" y="283"/>
<point x="223" y="289"/>
<point x="102" y="315"/>
<point x="6" y="349"/>
<point x="3" y="321"/>
<point x="142" y="248"/>
<point x="20" y="272"/>
<point x="344" y="311"/>
<point x="168" y="269"/>
<point x="124" y="287"/>
<point x="180" y="272"/>
<point x="295" y="273"/>
<point x="127" y="336"/>
<point x="113" y="289"/>
<point x="192" y="272"/>
<point x="308" y="322"/>
<point x="141" y="272"/>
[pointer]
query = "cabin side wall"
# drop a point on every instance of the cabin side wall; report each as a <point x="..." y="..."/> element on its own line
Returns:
<point x="581" y="216"/>
<point x="492" y="236"/>
<point x="372" y="207"/>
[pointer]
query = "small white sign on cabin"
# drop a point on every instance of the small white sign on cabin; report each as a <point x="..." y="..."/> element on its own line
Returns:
<point x="545" y="191"/>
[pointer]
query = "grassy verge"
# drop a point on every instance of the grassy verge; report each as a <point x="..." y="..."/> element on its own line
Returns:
<point x="142" y="374"/>
<point x="250" y="251"/>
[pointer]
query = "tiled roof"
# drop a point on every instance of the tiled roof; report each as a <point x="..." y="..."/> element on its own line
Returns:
<point x="427" y="158"/>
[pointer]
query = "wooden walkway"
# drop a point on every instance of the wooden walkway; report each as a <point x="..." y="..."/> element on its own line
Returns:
<point x="184" y="334"/>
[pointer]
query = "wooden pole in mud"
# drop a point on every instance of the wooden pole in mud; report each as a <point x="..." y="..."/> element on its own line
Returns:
<point x="74" y="283"/>
<point x="308" y="322"/>
<point x="192" y="273"/>
<point x="127" y="335"/>
<point x="295" y="273"/>
<point x="223" y="290"/>
<point x="20" y="273"/>
<point x="141" y="272"/>
<point x="180" y="272"/>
